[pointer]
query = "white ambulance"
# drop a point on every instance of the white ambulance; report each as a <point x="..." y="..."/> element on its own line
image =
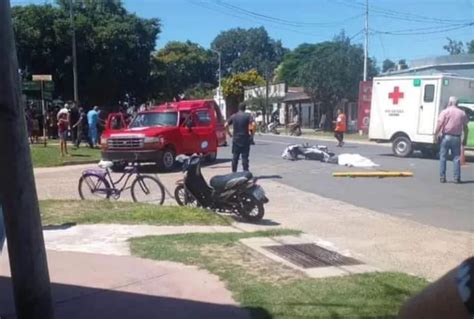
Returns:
<point x="404" y="110"/>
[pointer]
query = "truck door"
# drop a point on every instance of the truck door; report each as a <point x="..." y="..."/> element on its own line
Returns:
<point x="115" y="122"/>
<point x="204" y="131"/>
<point x="427" y="112"/>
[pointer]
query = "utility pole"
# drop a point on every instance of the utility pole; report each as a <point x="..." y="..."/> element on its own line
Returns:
<point x="219" y="89"/>
<point x="74" y="53"/>
<point x="366" y="45"/>
<point x="18" y="198"/>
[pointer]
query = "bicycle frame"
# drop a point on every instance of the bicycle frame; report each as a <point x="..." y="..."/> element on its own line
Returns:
<point x="127" y="174"/>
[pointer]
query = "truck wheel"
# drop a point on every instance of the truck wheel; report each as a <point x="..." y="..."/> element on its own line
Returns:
<point x="211" y="157"/>
<point x="166" y="160"/>
<point x="402" y="146"/>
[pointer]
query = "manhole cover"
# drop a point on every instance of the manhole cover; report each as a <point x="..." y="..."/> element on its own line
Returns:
<point x="311" y="256"/>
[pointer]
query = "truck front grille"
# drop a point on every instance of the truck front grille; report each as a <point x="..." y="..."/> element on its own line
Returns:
<point x="125" y="143"/>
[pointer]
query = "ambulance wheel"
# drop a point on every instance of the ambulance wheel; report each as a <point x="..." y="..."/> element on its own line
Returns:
<point x="402" y="146"/>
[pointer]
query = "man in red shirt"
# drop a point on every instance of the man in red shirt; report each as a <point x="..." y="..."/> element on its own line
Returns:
<point x="451" y="123"/>
<point x="340" y="127"/>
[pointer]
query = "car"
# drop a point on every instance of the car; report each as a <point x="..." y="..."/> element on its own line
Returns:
<point x="161" y="133"/>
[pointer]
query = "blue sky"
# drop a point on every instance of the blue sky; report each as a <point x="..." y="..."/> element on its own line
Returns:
<point x="298" y="21"/>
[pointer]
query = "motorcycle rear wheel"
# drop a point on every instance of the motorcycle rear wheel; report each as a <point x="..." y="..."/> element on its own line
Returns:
<point x="251" y="209"/>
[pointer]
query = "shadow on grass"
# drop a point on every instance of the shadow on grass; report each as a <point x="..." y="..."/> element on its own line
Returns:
<point x="77" y="302"/>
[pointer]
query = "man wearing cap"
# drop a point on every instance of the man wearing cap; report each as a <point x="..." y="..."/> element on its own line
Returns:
<point x="452" y="122"/>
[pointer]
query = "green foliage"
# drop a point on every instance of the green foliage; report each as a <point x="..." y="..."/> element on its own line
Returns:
<point x="470" y="47"/>
<point x="182" y="66"/>
<point x="246" y="49"/>
<point x="333" y="71"/>
<point x="58" y="212"/>
<point x="454" y="47"/>
<point x="403" y="64"/>
<point x="233" y="86"/>
<point x="113" y="48"/>
<point x="329" y="71"/>
<point x="388" y="65"/>
<point x="200" y="91"/>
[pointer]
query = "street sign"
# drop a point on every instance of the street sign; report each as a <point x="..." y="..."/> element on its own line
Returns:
<point x="42" y="77"/>
<point x="36" y="86"/>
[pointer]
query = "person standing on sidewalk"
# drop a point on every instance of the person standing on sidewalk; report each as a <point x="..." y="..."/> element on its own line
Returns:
<point x="340" y="127"/>
<point x="74" y="120"/>
<point x="240" y="122"/>
<point x="451" y="123"/>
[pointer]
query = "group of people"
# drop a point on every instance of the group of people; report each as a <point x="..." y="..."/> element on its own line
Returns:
<point x="80" y="126"/>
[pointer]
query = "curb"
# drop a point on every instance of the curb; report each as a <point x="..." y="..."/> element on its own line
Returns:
<point x="326" y="139"/>
<point x="72" y="163"/>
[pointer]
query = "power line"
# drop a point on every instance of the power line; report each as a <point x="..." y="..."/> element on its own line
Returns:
<point x="418" y="32"/>
<point x="280" y="20"/>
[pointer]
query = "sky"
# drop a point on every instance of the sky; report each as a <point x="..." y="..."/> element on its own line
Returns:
<point x="399" y="29"/>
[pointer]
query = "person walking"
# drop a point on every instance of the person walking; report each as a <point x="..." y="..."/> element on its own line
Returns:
<point x="340" y="127"/>
<point x="240" y="122"/>
<point x="81" y="128"/>
<point x="92" y="121"/>
<point x="452" y="122"/>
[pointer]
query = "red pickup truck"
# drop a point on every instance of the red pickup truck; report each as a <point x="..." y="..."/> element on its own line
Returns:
<point x="159" y="134"/>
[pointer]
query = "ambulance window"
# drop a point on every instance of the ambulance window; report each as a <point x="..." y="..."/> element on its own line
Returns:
<point x="203" y="118"/>
<point x="429" y="93"/>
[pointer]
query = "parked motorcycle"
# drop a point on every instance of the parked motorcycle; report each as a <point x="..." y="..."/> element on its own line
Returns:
<point x="272" y="127"/>
<point x="236" y="193"/>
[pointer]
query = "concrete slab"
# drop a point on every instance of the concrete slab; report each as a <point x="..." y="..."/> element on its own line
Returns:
<point x="259" y="244"/>
<point x="99" y="286"/>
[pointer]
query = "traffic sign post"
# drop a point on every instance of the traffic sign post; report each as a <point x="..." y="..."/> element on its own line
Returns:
<point x="42" y="78"/>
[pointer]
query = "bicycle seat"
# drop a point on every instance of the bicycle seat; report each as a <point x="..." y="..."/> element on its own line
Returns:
<point x="221" y="182"/>
<point x="105" y="164"/>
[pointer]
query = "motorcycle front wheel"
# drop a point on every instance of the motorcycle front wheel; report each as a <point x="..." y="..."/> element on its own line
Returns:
<point x="251" y="209"/>
<point x="183" y="197"/>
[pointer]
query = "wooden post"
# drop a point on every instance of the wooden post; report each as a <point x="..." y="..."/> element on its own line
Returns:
<point x="29" y="269"/>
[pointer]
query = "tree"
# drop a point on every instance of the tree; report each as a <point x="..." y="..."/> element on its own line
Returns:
<point x="403" y="64"/>
<point x="333" y="71"/>
<point x="454" y="47"/>
<point x="181" y="66"/>
<point x="233" y="87"/>
<point x="246" y="49"/>
<point x="470" y="47"/>
<point x="200" y="91"/>
<point x="388" y="65"/>
<point x="288" y="71"/>
<point x="113" y="48"/>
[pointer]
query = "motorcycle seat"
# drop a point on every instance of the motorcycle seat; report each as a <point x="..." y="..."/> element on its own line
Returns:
<point x="224" y="181"/>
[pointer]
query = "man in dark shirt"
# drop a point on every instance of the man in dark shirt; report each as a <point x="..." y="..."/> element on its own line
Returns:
<point x="74" y="116"/>
<point x="240" y="122"/>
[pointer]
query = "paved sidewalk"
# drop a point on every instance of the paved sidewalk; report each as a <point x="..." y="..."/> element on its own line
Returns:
<point x="111" y="287"/>
<point x="112" y="239"/>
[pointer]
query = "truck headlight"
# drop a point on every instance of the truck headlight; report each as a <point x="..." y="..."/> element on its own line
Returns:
<point x="103" y="141"/>
<point x="154" y="140"/>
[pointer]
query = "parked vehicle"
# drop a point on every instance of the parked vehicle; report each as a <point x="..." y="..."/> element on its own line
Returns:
<point x="236" y="193"/>
<point x="404" y="110"/>
<point x="469" y="109"/>
<point x="161" y="133"/>
<point x="272" y="127"/>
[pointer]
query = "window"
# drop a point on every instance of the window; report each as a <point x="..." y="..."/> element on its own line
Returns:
<point x="429" y="93"/>
<point x="155" y="119"/>
<point x="203" y="118"/>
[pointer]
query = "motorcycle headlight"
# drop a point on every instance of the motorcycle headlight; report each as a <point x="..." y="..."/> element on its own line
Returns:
<point x="154" y="140"/>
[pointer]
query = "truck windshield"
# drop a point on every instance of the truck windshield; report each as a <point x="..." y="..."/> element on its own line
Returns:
<point x="155" y="119"/>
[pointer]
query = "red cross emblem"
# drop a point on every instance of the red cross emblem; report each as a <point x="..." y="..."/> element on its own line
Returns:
<point x="395" y="95"/>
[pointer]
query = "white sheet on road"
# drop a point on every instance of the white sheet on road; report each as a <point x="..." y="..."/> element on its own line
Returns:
<point x="355" y="160"/>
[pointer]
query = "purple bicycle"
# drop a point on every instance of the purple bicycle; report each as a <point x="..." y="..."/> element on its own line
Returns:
<point x="97" y="184"/>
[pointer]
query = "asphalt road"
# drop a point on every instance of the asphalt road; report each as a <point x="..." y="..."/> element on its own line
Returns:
<point x="421" y="198"/>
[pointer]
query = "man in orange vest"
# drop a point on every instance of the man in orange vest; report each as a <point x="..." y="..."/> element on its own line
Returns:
<point x="340" y="127"/>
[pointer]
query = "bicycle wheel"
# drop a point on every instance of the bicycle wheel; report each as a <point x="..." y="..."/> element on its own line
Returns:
<point x="93" y="187"/>
<point x="147" y="189"/>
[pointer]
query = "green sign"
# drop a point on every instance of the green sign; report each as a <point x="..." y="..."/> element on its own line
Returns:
<point x="445" y="82"/>
<point x="416" y="82"/>
<point x="36" y="86"/>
